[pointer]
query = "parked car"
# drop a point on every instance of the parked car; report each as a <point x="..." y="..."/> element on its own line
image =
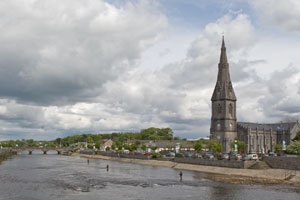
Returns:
<point x="197" y="155"/>
<point x="235" y="157"/>
<point x="272" y="154"/>
<point x="170" y="154"/>
<point x="209" y="156"/>
<point x="225" y="156"/>
<point x="188" y="154"/>
<point x="251" y="157"/>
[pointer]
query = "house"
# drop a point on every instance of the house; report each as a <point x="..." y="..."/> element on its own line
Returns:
<point x="105" y="143"/>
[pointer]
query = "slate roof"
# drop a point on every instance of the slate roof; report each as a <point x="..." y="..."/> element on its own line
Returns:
<point x="273" y="126"/>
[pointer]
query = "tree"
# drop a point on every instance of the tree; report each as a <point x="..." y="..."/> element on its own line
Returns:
<point x="240" y="145"/>
<point x="113" y="147"/>
<point x="143" y="147"/>
<point x="214" y="146"/>
<point x="294" y="148"/>
<point x="97" y="145"/>
<point x="297" y="137"/>
<point x="198" y="146"/>
<point x="153" y="148"/>
<point x="277" y="147"/>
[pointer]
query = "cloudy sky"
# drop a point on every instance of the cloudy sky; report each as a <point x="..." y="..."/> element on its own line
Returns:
<point x="92" y="66"/>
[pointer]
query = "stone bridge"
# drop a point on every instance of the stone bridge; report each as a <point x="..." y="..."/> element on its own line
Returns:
<point x="46" y="149"/>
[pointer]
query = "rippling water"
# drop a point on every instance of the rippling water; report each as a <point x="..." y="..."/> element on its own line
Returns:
<point x="50" y="177"/>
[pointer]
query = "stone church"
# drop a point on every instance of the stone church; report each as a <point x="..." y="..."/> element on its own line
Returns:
<point x="258" y="138"/>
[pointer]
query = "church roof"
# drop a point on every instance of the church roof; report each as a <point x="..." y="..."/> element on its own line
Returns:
<point x="223" y="89"/>
<point x="273" y="126"/>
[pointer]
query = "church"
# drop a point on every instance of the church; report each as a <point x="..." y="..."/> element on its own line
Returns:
<point x="258" y="138"/>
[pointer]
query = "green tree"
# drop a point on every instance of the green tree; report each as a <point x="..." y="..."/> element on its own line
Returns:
<point x="297" y="137"/>
<point x="240" y="145"/>
<point x="113" y="146"/>
<point x="143" y="147"/>
<point x="153" y="148"/>
<point x="277" y="148"/>
<point x="214" y="146"/>
<point x="198" y="146"/>
<point x="294" y="148"/>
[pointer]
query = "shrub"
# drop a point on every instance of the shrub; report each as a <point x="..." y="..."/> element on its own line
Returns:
<point x="178" y="155"/>
<point x="156" y="155"/>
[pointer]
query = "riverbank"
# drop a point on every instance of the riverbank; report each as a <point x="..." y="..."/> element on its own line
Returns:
<point x="221" y="174"/>
<point x="4" y="155"/>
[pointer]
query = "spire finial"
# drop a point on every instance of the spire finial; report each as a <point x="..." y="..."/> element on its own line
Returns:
<point x="223" y="42"/>
<point x="223" y="57"/>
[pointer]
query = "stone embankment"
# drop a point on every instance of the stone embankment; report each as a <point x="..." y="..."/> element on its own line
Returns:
<point x="223" y="174"/>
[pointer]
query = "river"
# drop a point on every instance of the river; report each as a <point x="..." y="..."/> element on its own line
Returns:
<point x="51" y="177"/>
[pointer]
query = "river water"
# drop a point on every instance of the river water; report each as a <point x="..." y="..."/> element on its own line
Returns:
<point x="51" y="177"/>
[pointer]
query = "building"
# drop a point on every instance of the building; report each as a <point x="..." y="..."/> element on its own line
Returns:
<point x="258" y="138"/>
<point x="223" y="126"/>
<point x="262" y="138"/>
<point x="105" y="143"/>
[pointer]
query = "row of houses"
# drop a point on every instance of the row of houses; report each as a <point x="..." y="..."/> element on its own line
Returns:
<point x="151" y="145"/>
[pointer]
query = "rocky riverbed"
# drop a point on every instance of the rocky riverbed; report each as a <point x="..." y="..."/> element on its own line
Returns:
<point x="221" y="174"/>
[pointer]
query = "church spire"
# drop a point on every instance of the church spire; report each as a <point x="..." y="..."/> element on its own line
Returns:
<point x="223" y="126"/>
<point x="223" y="57"/>
<point x="223" y="89"/>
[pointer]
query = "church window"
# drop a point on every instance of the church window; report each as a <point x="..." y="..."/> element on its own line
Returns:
<point x="218" y="126"/>
<point x="219" y="108"/>
<point x="230" y="125"/>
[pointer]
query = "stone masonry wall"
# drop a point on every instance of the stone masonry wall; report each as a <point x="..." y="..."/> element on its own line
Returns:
<point x="280" y="162"/>
<point x="122" y="155"/>
<point x="217" y="163"/>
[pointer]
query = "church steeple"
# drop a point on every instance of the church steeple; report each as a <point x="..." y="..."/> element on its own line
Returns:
<point x="223" y="127"/>
<point x="223" y="89"/>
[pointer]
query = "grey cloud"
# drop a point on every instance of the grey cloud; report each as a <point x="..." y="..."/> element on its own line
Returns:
<point x="60" y="55"/>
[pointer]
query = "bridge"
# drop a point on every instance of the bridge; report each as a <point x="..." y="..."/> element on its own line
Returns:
<point x="59" y="150"/>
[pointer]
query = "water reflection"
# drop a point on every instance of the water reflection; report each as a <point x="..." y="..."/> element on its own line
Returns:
<point x="52" y="176"/>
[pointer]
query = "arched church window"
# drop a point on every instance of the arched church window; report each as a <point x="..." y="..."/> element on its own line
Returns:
<point x="230" y="109"/>
<point x="219" y="108"/>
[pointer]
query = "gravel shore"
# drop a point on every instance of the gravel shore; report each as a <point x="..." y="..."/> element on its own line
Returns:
<point x="222" y="174"/>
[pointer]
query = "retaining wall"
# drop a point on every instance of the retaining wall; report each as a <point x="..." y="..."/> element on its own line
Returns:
<point x="280" y="162"/>
<point x="217" y="163"/>
<point x="122" y="155"/>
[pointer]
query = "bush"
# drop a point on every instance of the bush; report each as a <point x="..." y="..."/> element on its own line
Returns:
<point x="97" y="152"/>
<point x="178" y="155"/>
<point x="156" y="155"/>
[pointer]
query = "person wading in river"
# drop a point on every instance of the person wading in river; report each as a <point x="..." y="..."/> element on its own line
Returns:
<point x="180" y="174"/>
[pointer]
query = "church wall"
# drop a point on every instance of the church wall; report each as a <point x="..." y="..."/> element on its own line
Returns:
<point x="257" y="141"/>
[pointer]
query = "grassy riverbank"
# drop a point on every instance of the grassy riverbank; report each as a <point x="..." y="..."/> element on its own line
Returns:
<point x="4" y="155"/>
<point x="222" y="174"/>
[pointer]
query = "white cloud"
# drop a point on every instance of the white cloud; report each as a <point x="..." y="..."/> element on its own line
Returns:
<point x="64" y="51"/>
<point x="284" y="14"/>
<point x="78" y="67"/>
